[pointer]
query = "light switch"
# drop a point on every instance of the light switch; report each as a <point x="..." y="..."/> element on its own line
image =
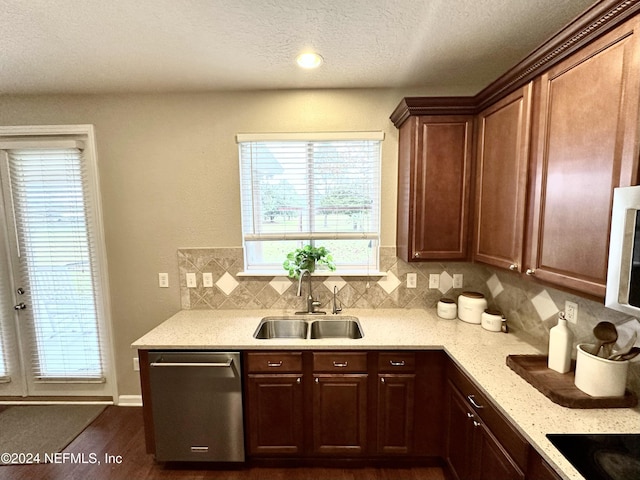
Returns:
<point x="191" y="280"/>
<point x="163" y="280"/>
<point x="207" y="279"/>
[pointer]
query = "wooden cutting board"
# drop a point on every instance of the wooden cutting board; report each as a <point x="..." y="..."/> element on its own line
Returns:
<point x="560" y="387"/>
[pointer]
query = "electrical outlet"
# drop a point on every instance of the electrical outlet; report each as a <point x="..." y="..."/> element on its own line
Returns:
<point x="207" y="279"/>
<point x="163" y="280"/>
<point x="434" y="280"/>
<point x="191" y="280"/>
<point x="571" y="311"/>
<point x="136" y="364"/>
<point x="458" y="280"/>
<point x="412" y="280"/>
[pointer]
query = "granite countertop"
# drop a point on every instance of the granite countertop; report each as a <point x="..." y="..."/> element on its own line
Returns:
<point x="480" y="353"/>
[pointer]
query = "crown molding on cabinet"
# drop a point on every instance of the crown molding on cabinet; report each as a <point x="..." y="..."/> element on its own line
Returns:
<point x="594" y="22"/>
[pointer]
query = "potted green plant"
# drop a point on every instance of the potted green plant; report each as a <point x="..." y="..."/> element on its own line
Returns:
<point x="307" y="258"/>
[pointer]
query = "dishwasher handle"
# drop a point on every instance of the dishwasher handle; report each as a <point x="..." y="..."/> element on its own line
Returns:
<point x="226" y="364"/>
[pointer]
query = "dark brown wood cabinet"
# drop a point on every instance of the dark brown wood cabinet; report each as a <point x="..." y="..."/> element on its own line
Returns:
<point x="459" y="435"/>
<point x="274" y="403"/>
<point x="305" y="407"/>
<point x="555" y="135"/>
<point x="502" y="159"/>
<point x="539" y="469"/>
<point x="586" y="143"/>
<point x="434" y="172"/>
<point x="396" y="417"/>
<point x="339" y="403"/>
<point x="480" y="443"/>
<point x="340" y="414"/>
<point x="344" y="404"/>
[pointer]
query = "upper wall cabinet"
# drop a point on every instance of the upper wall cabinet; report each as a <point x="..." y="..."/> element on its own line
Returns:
<point x="503" y="136"/>
<point x="586" y="144"/>
<point x="434" y="171"/>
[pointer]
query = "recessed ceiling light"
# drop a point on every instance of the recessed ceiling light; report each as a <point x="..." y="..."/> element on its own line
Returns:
<point x="309" y="60"/>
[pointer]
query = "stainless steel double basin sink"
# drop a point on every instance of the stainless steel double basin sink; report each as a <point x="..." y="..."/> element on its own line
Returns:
<point x="308" y="328"/>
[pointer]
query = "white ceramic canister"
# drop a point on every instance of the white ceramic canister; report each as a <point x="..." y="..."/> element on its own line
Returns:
<point x="447" y="309"/>
<point x="470" y="307"/>
<point x="600" y="377"/>
<point x="492" y="320"/>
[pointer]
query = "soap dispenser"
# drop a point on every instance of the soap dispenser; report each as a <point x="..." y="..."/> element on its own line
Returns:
<point x="560" y="345"/>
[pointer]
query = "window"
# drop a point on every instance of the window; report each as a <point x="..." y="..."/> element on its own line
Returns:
<point x="319" y="189"/>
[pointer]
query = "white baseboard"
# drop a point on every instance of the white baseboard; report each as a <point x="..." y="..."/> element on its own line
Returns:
<point x="130" y="401"/>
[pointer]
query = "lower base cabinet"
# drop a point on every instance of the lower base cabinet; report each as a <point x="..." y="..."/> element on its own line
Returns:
<point x="340" y="414"/>
<point x="472" y="450"/>
<point x="411" y="405"/>
<point x="344" y="404"/>
<point x="276" y="409"/>
<point x="473" y="425"/>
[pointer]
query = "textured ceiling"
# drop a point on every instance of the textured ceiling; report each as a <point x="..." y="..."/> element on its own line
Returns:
<point x="95" y="46"/>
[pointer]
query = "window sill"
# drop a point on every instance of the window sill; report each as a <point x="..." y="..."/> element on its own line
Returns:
<point x="322" y="273"/>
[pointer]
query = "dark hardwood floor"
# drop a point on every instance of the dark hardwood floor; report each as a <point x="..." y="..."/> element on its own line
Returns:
<point x="119" y="432"/>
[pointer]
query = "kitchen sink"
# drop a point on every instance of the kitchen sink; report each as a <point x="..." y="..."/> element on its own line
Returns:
<point x="300" y="328"/>
<point x="281" y="327"/>
<point x="344" y="328"/>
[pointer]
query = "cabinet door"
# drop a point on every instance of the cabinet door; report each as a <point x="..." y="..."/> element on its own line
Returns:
<point x="339" y="414"/>
<point x="588" y="144"/>
<point x="459" y="436"/>
<point x="433" y="187"/>
<point x="274" y="409"/>
<point x="501" y="176"/>
<point x="395" y="413"/>
<point x="493" y="461"/>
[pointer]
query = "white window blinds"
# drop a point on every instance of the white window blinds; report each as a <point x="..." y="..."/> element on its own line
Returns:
<point x="55" y="240"/>
<point x="323" y="190"/>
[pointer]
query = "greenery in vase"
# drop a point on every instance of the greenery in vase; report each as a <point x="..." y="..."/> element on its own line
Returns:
<point x="306" y="258"/>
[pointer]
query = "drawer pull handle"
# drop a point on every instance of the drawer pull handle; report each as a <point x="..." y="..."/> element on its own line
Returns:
<point x="397" y="364"/>
<point x="274" y="364"/>
<point x="472" y="400"/>
<point x="199" y="449"/>
<point x="340" y="364"/>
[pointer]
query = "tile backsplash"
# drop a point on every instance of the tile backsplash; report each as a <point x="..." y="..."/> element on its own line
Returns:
<point x="531" y="308"/>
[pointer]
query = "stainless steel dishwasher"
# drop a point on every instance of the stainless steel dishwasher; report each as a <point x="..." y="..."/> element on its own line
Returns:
<point x="196" y="400"/>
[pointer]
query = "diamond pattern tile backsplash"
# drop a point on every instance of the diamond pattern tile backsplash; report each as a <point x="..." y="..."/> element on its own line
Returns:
<point x="530" y="308"/>
<point x="233" y="291"/>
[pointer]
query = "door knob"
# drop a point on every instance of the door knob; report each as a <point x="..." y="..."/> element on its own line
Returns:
<point x="20" y="291"/>
<point x="20" y="306"/>
<point x="530" y="271"/>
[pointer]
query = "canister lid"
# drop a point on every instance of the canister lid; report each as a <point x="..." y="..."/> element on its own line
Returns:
<point x="447" y="300"/>
<point x="472" y="294"/>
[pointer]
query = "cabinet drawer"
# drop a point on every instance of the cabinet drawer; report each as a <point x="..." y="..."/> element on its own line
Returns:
<point x="391" y="362"/>
<point x="501" y="428"/>
<point x="339" y="362"/>
<point x="276" y="362"/>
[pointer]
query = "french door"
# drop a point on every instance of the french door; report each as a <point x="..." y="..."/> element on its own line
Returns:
<point x="55" y="336"/>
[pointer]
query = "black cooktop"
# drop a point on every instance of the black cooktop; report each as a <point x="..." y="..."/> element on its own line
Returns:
<point x="603" y="456"/>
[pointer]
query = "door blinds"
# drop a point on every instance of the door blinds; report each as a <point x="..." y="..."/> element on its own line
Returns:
<point x="56" y="238"/>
